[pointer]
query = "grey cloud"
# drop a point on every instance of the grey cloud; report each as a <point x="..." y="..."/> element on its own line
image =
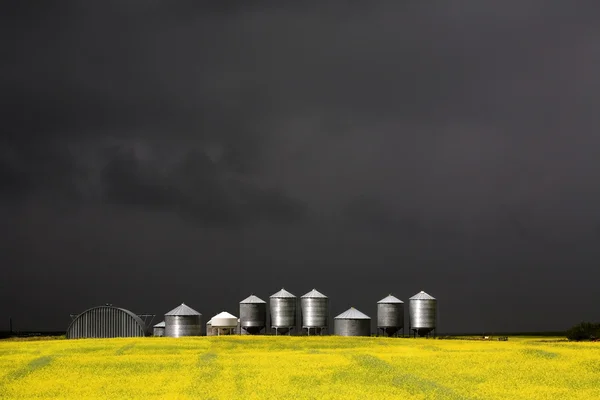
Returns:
<point x="44" y="168"/>
<point x="443" y="135"/>
<point x="196" y="187"/>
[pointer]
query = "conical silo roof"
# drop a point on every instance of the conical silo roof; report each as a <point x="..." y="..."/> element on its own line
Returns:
<point x="314" y="294"/>
<point x="224" y="320"/>
<point x="224" y="314"/>
<point x="390" y="300"/>
<point x="283" y="294"/>
<point x="422" y="296"/>
<point x="183" y="310"/>
<point x="160" y="325"/>
<point x="252" y="300"/>
<point x="352" y="313"/>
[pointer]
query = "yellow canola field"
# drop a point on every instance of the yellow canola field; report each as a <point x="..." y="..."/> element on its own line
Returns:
<point x="328" y="367"/>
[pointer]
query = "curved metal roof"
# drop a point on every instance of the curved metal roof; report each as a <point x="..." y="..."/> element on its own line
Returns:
<point x="252" y="299"/>
<point x="283" y="294"/>
<point x="183" y="310"/>
<point x="137" y="320"/>
<point x="314" y="294"/>
<point x="352" y="313"/>
<point x="390" y="299"/>
<point x="422" y="296"/>
<point x="160" y="325"/>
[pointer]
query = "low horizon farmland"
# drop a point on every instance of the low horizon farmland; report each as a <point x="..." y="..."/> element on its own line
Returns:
<point x="324" y="367"/>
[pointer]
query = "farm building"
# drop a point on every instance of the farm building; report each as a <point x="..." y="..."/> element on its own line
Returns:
<point x="390" y="316"/>
<point x="106" y="322"/>
<point x="159" y="329"/>
<point x="183" y="321"/>
<point x="352" y="323"/>
<point x="223" y="324"/>
<point x="422" y="314"/>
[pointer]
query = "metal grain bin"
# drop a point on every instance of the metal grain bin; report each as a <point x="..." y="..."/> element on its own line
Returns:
<point x="159" y="329"/>
<point x="183" y="321"/>
<point x="390" y="315"/>
<point x="422" y="313"/>
<point x="315" y="311"/>
<point x="352" y="323"/>
<point x="253" y="315"/>
<point x="106" y="322"/>
<point x="209" y="330"/>
<point x="283" y="307"/>
<point x="224" y="324"/>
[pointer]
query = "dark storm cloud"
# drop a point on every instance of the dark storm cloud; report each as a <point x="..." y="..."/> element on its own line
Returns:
<point x="450" y="146"/>
<point x="197" y="187"/>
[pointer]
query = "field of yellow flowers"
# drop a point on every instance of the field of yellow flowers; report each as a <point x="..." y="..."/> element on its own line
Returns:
<point x="283" y="367"/>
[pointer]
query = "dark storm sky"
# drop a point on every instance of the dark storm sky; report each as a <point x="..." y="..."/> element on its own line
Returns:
<point x="153" y="153"/>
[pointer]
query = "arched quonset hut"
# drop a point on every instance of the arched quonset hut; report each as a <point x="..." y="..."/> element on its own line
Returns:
<point x="390" y="316"/>
<point x="159" y="329"/>
<point x="422" y="314"/>
<point x="183" y="321"/>
<point x="106" y="322"/>
<point x="352" y="323"/>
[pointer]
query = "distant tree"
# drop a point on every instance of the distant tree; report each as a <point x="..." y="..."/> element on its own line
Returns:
<point x="584" y="331"/>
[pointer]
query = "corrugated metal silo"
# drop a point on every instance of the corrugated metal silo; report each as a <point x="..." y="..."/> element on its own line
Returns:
<point x="209" y="330"/>
<point x="352" y="323"/>
<point x="283" y="307"/>
<point x="224" y="324"/>
<point x="315" y="311"/>
<point x="422" y="314"/>
<point x="253" y="315"/>
<point x="390" y="315"/>
<point x="183" y="321"/>
<point x="106" y="322"/>
<point x="159" y="329"/>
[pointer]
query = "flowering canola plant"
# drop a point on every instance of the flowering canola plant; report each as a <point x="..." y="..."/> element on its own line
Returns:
<point x="327" y="367"/>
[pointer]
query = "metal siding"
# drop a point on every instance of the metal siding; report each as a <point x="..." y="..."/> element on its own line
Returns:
<point x="315" y="312"/>
<point x="183" y="325"/>
<point x="390" y="315"/>
<point x="283" y="312"/>
<point x="352" y="327"/>
<point x="253" y="317"/>
<point x="106" y="322"/>
<point x="422" y="315"/>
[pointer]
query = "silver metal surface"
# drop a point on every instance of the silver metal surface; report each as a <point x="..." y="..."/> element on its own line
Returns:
<point x="352" y="327"/>
<point x="422" y="310"/>
<point x="352" y="313"/>
<point x="183" y="310"/>
<point x="352" y="323"/>
<point x="183" y="321"/>
<point x="159" y="329"/>
<point x="283" y="306"/>
<point x="209" y="330"/>
<point x="106" y="322"/>
<point x="315" y="310"/>
<point x="253" y="315"/>
<point x="390" y="315"/>
<point x="183" y="325"/>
